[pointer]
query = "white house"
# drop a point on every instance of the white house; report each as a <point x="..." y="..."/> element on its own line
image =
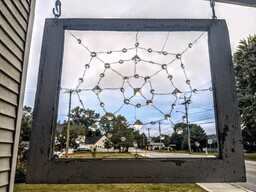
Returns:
<point x="95" y="141"/>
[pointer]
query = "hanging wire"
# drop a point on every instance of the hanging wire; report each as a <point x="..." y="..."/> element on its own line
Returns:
<point x="165" y="41"/>
<point x="212" y="4"/>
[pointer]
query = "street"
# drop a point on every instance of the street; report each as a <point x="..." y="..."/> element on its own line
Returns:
<point x="153" y="154"/>
<point x="250" y="175"/>
<point x="250" y="166"/>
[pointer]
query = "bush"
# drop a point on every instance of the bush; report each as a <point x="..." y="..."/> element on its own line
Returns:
<point x="20" y="176"/>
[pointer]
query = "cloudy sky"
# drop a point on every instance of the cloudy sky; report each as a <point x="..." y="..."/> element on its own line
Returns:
<point x="240" y="22"/>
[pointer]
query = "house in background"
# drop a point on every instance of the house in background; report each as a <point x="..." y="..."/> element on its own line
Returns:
<point x="155" y="146"/>
<point x="96" y="141"/>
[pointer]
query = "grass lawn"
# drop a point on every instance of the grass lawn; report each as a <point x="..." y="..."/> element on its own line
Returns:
<point x="108" y="188"/>
<point x="102" y="155"/>
<point x="250" y="156"/>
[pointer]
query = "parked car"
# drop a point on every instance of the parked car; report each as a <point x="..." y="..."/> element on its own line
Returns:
<point x="57" y="155"/>
<point x="82" y="150"/>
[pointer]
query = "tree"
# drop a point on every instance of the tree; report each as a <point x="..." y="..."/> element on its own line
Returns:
<point x="86" y="118"/>
<point x="118" y="128"/>
<point x="245" y="72"/>
<point x="140" y="139"/>
<point x="75" y="130"/>
<point x="177" y="140"/>
<point x="197" y="134"/>
<point x="25" y="132"/>
<point x="26" y="123"/>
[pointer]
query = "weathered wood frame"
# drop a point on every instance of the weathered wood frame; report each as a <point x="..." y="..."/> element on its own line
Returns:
<point x="228" y="167"/>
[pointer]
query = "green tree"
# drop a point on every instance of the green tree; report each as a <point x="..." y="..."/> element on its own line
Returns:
<point x="245" y="71"/>
<point x="25" y="132"/>
<point x="75" y="130"/>
<point x="197" y="134"/>
<point x="26" y="123"/>
<point x="118" y="128"/>
<point x="86" y="118"/>
<point x="177" y="140"/>
<point x="140" y="139"/>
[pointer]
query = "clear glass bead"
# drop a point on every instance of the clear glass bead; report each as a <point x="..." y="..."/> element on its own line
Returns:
<point x="93" y="54"/>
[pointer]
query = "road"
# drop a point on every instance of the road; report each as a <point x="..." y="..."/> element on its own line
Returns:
<point x="250" y="166"/>
<point x="153" y="154"/>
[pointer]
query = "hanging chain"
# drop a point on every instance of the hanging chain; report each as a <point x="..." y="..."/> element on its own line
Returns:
<point x="212" y="3"/>
<point x="57" y="10"/>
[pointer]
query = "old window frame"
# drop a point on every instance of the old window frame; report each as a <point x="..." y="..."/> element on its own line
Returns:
<point x="227" y="167"/>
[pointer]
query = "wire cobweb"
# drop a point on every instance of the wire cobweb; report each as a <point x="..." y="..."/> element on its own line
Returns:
<point x="140" y="80"/>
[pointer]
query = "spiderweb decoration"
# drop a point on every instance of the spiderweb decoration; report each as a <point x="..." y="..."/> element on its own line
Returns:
<point x="131" y="73"/>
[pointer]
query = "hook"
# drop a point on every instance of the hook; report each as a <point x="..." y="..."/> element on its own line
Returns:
<point x="57" y="10"/>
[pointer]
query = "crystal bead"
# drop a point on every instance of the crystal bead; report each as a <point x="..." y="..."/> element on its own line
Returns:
<point x="164" y="66"/>
<point x="138" y="105"/>
<point x="93" y="54"/>
<point x="178" y="56"/>
<point x="126" y="79"/>
<point x="149" y="102"/>
<point x="170" y="77"/>
<point x="107" y="65"/>
<point x="121" y="61"/>
<point x="123" y="139"/>
<point x="97" y="90"/>
<point x="195" y="90"/>
<point x="136" y="76"/>
<point x="79" y="41"/>
<point x="136" y="59"/>
<point x="147" y="78"/>
<point x="124" y="50"/>
<point x="122" y="89"/>
<point x="137" y="91"/>
<point x="109" y="135"/>
<point x="167" y="117"/>
<point x="102" y="104"/>
<point x="150" y="50"/>
<point x="87" y="66"/>
<point x="127" y="101"/>
<point x="109" y="116"/>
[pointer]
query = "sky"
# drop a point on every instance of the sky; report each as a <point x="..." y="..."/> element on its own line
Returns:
<point x="241" y="23"/>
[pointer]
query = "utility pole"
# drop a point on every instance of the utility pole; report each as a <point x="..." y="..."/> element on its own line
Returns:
<point x="160" y="133"/>
<point x="186" y="103"/>
<point x="148" y="132"/>
<point x="68" y="128"/>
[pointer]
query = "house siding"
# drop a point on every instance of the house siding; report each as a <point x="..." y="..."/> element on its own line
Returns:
<point x="15" y="35"/>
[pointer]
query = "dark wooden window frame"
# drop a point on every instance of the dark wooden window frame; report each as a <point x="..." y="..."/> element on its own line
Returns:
<point x="227" y="167"/>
